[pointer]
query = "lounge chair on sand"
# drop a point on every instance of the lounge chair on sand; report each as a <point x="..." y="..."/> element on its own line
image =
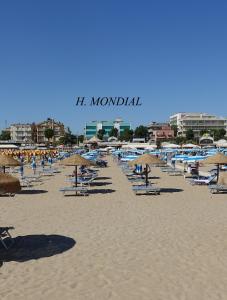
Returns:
<point x="217" y="188"/>
<point x="5" y="237"/>
<point x="76" y="189"/>
<point x="143" y="189"/>
<point x="175" y="173"/>
<point x="202" y="180"/>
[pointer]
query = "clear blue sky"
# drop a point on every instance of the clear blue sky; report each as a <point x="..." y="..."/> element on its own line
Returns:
<point x="173" y="54"/>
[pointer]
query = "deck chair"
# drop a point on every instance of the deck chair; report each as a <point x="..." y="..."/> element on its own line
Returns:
<point x="175" y="173"/>
<point x="138" y="189"/>
<point x="77" y="189"/>
<point x="5" y="237"/>
<point x="202" y="180"/>
<point x="217" y="188"/>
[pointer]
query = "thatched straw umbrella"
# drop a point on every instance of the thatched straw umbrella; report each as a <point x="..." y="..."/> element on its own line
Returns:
<point x="76" y="160"/>
<point x="146" y="159"/>
<point x="8" y="161"/>
<point x="217" y="159"/>
<point x="9" y="184"/>
<point x="94" y="140"/>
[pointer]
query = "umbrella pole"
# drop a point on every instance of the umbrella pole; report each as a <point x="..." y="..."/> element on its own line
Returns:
<point x="146" y="176"/>
<point x="4" y="169"/>
<point x="76" y="175"/>
<point x="217" y="172"/>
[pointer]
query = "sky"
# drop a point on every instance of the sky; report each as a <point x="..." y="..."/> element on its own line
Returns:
<point x="171" y="54"/>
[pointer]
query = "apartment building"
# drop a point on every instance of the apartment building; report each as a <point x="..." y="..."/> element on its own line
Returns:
<point x="197" y="122"/>
<point x="160" y="132"/>
<point x="92" y="128"/>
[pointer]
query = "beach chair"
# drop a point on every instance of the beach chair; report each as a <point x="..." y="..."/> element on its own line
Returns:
<point x="175" y="173"/>
<point x="5" y="237"/>
<point x="143" y="189"/>
<point x="217" y="188"/>
<point x="77" y="189"/>
<point x="202" y="180"/>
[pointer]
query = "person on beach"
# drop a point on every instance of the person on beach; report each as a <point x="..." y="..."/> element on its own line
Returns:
<point x="33" y="165"/>
<point x="21" y="170"/>
<point x="42" y="163"/>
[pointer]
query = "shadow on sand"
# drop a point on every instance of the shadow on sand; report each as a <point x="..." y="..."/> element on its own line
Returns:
<point x="171" y="190"/>
<point x="101" y="191"/>
<point x="30" y="247"/>
<point x="102" y="178"/>
<point x="32" y="192"/>
<point x="95" y="183"/>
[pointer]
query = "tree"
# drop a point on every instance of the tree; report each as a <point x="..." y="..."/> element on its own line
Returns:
<point x="180" y="140"/>
<point x="49" y="133"/>
<point x="5" y="135"/>
<point x="126" y="135"/>
<point x="141" y="132"/>
<point x="189" y="135"/>
<point x="174" y="128"/>
<point x="113" y="132"/>
<point x="202" y="132"/>
<point x="101" y="134"/>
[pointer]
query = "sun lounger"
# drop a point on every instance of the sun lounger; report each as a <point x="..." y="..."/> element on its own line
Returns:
<point x="217" y="188"/>
<point x="175" y="173"/>
<point x="77" y="189"/>
<point x="5" y="237"/>
<point x="146" y="189"/>
<point x="202" y="180"/>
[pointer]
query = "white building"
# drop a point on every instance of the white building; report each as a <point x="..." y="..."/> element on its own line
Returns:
<point x="21" y="133"/>
<point x="197" y="122"/>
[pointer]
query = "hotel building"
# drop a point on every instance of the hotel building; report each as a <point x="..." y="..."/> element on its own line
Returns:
<point x="35" y="133"/>
<point x="160" y="132"/>
<point x="91" y="128"/>
<point x="197" y="122"/>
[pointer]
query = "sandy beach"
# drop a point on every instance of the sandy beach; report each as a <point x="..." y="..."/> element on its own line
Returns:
<point x="113" y="244"/>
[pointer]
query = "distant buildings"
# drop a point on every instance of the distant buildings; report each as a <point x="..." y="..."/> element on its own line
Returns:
<point x="35" y="133"/>
<point x="160" y="132"/>
<point x="58" y="128"/>
<point x="198" y="122"/>
<point x="21" y="133"/>
<point x="92" y="128"/>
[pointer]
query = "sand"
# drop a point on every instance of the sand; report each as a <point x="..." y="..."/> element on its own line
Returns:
<point x="115" y="245"/>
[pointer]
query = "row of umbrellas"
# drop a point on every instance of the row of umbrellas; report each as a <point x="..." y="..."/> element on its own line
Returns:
<point x="148" y="159"/>
<point x="11" y="184"/>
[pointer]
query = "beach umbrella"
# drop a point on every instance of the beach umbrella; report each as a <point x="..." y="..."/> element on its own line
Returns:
<point x="9" y="184"/>
<point x="146" y="159"/>
<point x="76" y="160"/>
<point x="8" y="161"/>
<point x="94" y="140"/>
<point x="217" y="159"/>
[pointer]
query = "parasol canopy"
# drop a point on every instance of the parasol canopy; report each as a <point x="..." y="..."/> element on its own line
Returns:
<point x="8" y="161"/>
<point x="9" y="184"/>
<point x="146" y="159"/>
<point x="76" y="160"/>
<point x="217" y="159"/>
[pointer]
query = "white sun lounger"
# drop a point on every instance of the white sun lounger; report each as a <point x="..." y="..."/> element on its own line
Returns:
<point x="202" y="181"/>
<point x="76" y="189"/>
<point x="146" y="189"/>
<point x="217" y="188"/>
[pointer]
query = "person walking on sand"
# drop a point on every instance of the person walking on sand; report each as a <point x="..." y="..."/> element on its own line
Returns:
<point x="33" y="165"/>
